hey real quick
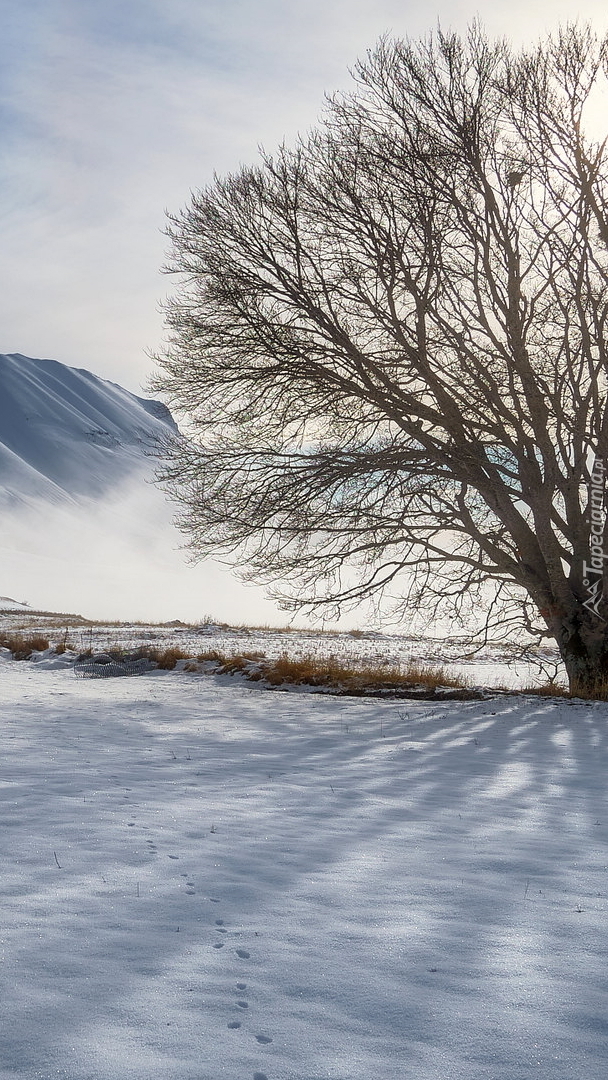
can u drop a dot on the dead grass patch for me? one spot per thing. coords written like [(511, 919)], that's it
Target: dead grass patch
[(166, 659), (22, 647), (212, 655), (547, 689), (335, 674), (597, 692), (328, 672)]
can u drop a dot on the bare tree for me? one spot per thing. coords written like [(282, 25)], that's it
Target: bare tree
[(390, 344)]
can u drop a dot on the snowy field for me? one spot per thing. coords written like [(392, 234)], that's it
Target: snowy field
[(494, 665), (205, 880)]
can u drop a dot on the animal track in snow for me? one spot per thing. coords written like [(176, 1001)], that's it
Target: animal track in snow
[(240, 1003), (260, 1076)]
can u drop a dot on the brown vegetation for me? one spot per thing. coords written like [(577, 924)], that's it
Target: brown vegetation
[(548, 689), (328, 672), (163, 658), (335, 674), (23, 647)]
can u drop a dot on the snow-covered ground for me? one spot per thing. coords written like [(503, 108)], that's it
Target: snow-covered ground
[(494, 665), (205, 880)]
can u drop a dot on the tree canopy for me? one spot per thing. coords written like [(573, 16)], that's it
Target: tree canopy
[(389, 344)]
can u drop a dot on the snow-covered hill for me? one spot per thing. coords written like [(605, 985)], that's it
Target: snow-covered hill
[(66, 434), (8, 604), (83, 528)]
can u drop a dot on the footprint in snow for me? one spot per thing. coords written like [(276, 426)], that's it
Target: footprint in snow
[(260, 1076), (233, 1025)]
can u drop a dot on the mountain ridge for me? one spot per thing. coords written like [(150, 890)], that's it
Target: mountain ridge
[(67, 434)]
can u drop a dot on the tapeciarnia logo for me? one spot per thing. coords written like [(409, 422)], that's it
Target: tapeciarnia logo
[(593, 571)]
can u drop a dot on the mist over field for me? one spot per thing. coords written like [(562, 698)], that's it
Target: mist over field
[(84, 527), (118, 557)]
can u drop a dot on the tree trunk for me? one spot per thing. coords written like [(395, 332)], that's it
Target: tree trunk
[(584, 651)]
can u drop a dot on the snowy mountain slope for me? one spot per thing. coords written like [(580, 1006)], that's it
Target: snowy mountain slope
[(82, 528), (67, 434)]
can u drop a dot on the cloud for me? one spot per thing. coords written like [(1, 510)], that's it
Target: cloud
[(113, 112)]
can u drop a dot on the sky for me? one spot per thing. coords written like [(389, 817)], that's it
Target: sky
[(112, 114)]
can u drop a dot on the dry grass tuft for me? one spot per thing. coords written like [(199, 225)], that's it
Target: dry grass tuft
[(327, 672), (23, 647), (166, 659), (229, 663), (334, 674), (548, 689), (212, 655), (597, 692)]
